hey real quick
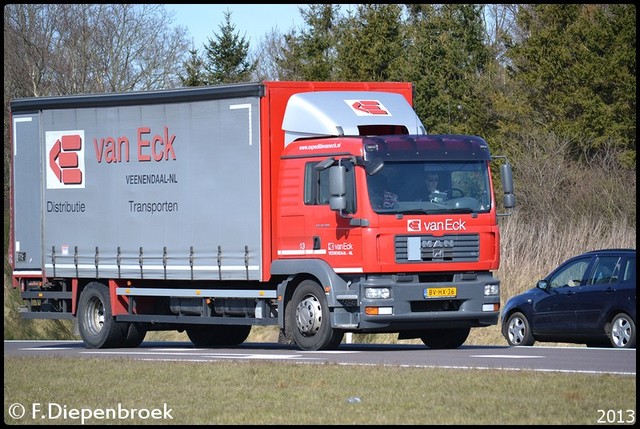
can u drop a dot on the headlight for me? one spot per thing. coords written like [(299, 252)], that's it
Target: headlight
[(377, 292), (491, 290)]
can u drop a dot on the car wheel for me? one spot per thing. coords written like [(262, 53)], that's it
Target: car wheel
[(518, 331), (623, 332)]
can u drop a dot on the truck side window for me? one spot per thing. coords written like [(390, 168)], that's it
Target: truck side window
[(316, 186)]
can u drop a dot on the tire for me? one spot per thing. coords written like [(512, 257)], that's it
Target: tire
[(307, 319), (96, 324), (623, 332), (285, 339), (135, 335), (445, 338), (218, 335), (518, 331)]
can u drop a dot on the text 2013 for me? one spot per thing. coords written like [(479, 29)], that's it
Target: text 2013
[(616, 416)]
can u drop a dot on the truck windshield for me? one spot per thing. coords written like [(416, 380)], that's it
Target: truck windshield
[(430, 187)]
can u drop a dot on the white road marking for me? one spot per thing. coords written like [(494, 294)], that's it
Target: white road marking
[(46, 349), (507, 356)]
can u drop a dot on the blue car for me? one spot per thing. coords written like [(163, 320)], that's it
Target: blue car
[(589, 299)]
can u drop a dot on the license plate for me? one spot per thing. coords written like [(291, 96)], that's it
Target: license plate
[(441, 292)]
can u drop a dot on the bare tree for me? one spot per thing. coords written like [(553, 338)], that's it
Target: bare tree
[(28, 48), (58, 49), (53, 49), (265, 56)]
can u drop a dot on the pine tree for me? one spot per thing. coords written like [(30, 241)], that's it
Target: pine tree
[(576, 68), (194, 68), (370, 43), (226, 56), (310, 54)]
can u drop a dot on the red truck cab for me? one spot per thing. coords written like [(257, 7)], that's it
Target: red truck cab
[(353, 209)]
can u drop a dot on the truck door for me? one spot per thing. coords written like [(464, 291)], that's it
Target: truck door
[(27, 211), (331, 236)]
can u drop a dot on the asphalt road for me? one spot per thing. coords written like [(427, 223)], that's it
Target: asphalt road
[(547, 359)]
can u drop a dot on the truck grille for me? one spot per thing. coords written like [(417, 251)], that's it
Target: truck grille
[(446, 248)]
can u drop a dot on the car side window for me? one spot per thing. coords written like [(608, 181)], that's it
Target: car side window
[(606, 270), (570, 275), (629, 271)]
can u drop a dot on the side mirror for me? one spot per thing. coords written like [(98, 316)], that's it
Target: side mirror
[(542, 284), (506, 176), (507, 185), (338, 188)]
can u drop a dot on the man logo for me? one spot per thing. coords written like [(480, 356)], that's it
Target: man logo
[(66, 159)]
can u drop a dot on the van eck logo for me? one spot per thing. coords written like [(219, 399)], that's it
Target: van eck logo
[(368, 107), (66, 159), (414, 225)]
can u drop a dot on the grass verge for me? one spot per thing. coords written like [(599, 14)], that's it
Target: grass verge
[(278, 393)]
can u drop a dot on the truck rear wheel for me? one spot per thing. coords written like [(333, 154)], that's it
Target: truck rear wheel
[(445, 338), (307, 319), (135, 335), (98, 328), (218, 335)]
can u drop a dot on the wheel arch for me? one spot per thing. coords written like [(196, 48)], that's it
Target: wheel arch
[(612, 313), (298, 270), (506, 314), (78, 285)]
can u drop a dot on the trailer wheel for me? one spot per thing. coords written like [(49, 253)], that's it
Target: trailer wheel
[(218, 335), (308, 319), (98, 328), (135, 335), (445, 338)]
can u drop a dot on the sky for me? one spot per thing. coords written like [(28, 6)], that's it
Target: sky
[(253, 21)]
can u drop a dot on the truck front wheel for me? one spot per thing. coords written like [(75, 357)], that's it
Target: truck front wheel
[(307, 319), (98, 328)]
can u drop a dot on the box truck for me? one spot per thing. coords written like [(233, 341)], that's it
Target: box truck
[(301, 205)]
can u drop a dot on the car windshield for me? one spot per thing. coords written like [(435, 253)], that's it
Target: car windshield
[(429, 187)]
